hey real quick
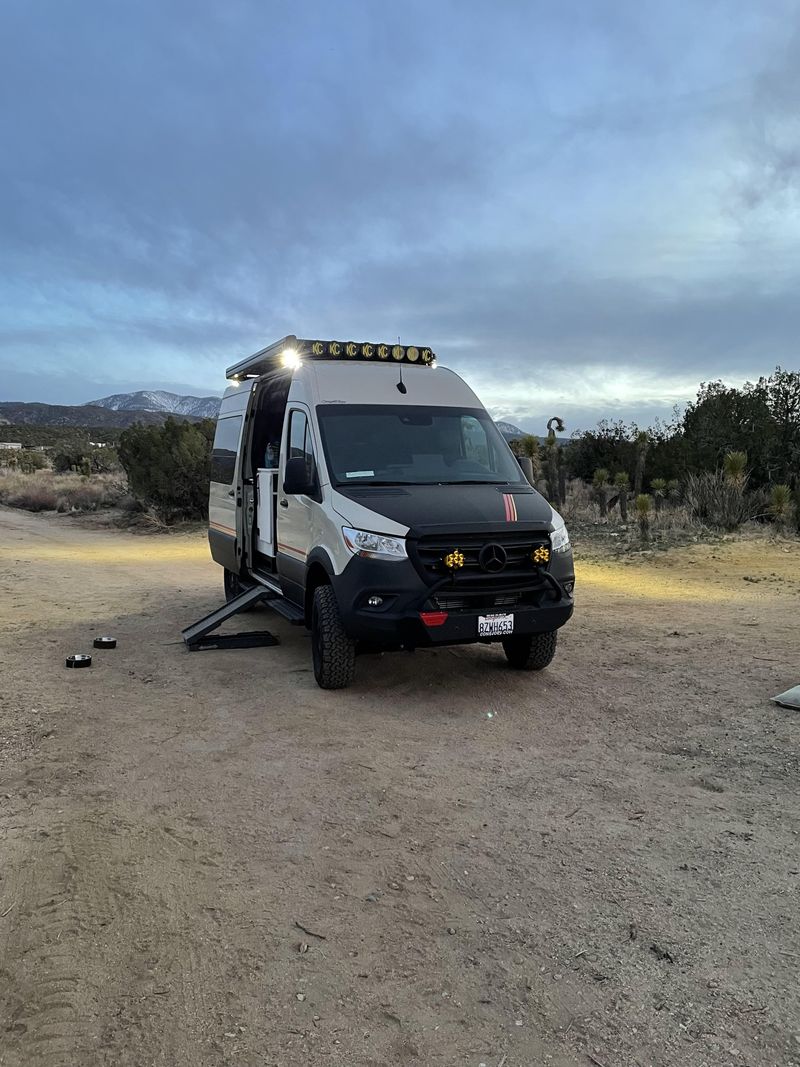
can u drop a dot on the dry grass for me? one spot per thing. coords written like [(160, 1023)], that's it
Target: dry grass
[(47, 491)]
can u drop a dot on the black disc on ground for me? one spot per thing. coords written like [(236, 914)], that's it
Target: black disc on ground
[(79, 660), (105, 642)]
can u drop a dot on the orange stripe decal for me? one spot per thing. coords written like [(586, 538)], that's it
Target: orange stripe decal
[(511, 507)]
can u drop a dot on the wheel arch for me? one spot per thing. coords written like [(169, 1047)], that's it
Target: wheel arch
[(319, 571)]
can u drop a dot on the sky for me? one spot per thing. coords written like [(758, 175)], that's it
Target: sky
[(586, 209)]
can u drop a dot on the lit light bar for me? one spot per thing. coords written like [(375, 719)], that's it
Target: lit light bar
[(358, 350), (290, 352)]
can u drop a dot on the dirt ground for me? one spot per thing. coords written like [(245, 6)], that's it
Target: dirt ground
[(204, 859)]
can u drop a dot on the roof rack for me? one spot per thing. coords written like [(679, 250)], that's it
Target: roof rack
[(289, 352)]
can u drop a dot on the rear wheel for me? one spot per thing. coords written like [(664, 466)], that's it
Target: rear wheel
[(235, 585), (530, 652), (334, 653)]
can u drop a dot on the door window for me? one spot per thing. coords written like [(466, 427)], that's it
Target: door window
[(300, 445), (223, 453)]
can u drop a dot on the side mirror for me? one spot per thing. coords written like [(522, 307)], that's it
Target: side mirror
[(300, 479)]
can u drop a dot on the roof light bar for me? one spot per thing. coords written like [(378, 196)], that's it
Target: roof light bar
[(290, 352)]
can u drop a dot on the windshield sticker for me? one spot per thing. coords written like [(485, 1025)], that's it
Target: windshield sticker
[(360, 474)]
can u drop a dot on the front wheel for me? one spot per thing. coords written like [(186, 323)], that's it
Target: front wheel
[(530, 652), (334, 653)]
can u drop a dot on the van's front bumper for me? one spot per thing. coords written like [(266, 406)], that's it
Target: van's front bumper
[(399, 620)]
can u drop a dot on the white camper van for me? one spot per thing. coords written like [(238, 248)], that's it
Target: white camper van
[(371, 496)]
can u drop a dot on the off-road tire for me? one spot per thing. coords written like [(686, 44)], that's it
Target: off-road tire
[(530, 652), (235, 585), (333, 652)]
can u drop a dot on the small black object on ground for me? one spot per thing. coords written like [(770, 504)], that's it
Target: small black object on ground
[(79, 660), (105, 642)]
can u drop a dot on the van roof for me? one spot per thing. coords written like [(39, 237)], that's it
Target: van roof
[(349, 383)]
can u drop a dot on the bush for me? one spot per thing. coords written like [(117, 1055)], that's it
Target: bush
[(716, 499), (47, 491), (168, 467)]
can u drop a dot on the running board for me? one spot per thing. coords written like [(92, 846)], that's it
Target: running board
[(290, 611), (192, 634)]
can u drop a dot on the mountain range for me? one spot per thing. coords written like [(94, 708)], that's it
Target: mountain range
[(199, 407), (149, 406)]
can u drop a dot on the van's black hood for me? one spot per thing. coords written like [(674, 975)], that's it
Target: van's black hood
[(421, 507)]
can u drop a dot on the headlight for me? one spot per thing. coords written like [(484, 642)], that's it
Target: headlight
[(373, 545), (559, 537)]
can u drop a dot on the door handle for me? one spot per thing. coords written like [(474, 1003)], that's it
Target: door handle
[(284, 503), (230, 492)]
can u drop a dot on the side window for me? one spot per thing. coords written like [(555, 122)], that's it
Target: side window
[(476, 443), (300, 445), (223, 453)]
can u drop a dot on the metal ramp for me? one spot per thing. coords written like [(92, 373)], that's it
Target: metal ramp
[(196, 635)]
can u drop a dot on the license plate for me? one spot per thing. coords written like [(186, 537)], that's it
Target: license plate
[(495, 625)]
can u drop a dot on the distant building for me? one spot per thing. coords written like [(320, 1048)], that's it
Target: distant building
[(16, 445)]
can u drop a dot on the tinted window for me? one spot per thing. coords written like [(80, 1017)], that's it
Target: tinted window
[(223, 454), (414, 445), (300, 446)]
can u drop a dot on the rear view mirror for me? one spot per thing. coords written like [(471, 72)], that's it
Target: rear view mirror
[(300, 478)]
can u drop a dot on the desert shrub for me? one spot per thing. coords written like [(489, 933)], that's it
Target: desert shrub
[(781, 505), (643, 515), (28, 462), (168, 467), (718, 500), (48, 491)]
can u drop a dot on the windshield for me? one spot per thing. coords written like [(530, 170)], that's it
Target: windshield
[(369, 444)]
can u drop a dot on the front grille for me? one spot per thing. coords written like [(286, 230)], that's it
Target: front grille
[(519, 575)]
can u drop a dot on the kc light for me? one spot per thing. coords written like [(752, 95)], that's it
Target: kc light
[(374, 545), (541, 554), (559, 537), (454, 560), (290, 359)]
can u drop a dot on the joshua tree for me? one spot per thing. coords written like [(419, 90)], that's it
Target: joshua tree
[(529, 457), (659, 487), (642, 445), (553, 453), (735, 466), (780, 506), (643, 515), (622, 482), (600, 482)]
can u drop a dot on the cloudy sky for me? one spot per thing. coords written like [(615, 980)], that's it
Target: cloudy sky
[(584, 208)]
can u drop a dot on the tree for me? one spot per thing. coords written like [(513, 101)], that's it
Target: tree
[(659, 487), (643, 515), (553, 454), (726, 420), (528, 455), (642, 445), (782, 391), (600, 481), (168, 466), (622, 482)]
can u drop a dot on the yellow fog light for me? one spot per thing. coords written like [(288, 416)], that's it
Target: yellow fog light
[(367, 351), (317, 348), (335, 348), (427, 355), (453, 560), (541, 554), (383, 351), (351, 349), (412, 354), (398, 352)]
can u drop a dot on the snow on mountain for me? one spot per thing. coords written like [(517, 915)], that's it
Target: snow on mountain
[(509, 430), (203, 407)]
